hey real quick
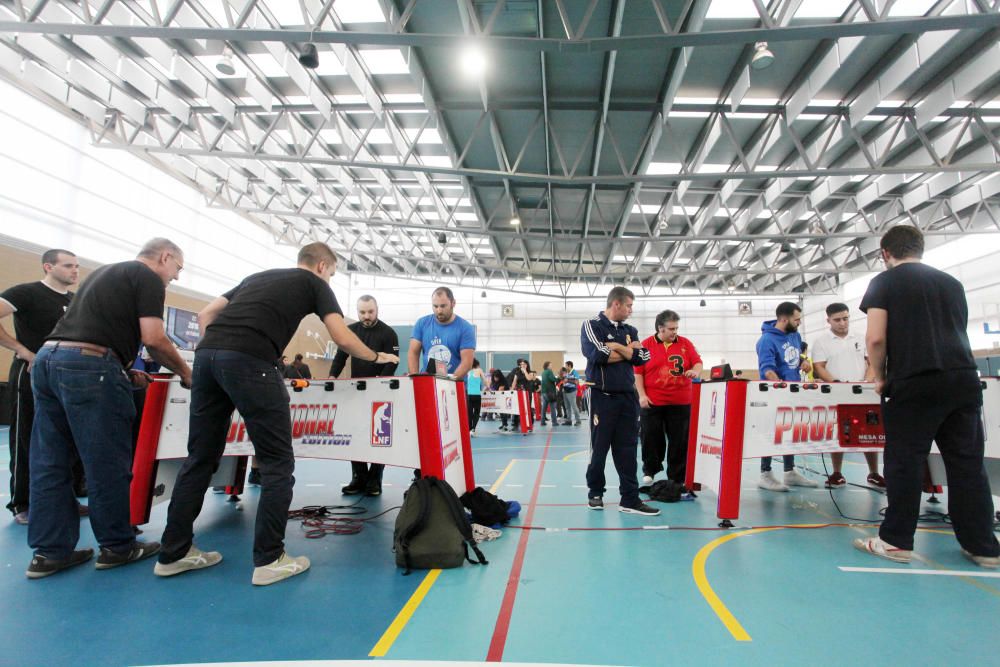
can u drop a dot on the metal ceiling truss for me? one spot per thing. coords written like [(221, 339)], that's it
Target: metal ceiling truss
[(733, 194)]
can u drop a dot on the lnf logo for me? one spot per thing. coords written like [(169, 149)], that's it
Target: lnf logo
[(382, 424)]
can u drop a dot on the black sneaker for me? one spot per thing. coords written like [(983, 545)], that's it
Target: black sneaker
[(254, 477), (42, 566), (641, 508), (595, 503), (109, 559), (356, 486)]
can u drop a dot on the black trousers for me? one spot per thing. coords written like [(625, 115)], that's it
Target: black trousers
[(475, 405), (946, 408), (22, 416), (363, 471), (663, 424), (614, 427), (224, 380)]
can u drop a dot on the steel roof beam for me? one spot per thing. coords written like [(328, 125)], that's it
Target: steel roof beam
[(987, 18)]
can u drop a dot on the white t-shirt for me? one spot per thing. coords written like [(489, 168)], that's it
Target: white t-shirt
[(844, 357)]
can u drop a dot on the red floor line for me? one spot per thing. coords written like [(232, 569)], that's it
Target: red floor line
[(499, 640)]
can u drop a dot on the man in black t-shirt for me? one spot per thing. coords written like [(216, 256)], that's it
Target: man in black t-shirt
[(924, 370), (36, 308), (380, 337), (83, 395), (244, 333)]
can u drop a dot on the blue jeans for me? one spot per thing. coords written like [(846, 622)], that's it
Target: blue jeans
[(85, 399), (765, 463), (224, 380), (549, 403)]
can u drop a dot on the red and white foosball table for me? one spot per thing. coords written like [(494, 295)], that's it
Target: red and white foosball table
[(735, 420), (419, 421), (511, 402)]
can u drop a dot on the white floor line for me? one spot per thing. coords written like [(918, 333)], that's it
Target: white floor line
[(513, 486), (940, 573), (546, 486), (315, 484), (579, 486)]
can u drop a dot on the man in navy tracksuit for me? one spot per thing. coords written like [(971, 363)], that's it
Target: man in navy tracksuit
[(612, 348)]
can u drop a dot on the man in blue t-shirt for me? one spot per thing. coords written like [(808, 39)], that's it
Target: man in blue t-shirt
[(779, 358), (443, 337)]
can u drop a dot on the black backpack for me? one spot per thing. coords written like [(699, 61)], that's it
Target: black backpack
[(486, 508), (432, 530), (666, 491)]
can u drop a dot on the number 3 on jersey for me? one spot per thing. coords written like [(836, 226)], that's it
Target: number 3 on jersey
[(677, 361)]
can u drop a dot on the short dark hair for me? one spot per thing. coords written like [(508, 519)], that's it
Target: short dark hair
[(444, 290), (475, 363), (368, 297), (298, 357), (903, 242), (836, 308), (664, 317), (569, 364), (546, 364), (786, 309), (52, 256), (805, 346), (314, 253), (619, 294)]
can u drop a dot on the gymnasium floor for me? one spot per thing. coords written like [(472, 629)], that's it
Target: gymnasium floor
[(615, 594)]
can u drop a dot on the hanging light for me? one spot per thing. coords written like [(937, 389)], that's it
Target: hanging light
[(309, 56), (224, 65), (762, 57)]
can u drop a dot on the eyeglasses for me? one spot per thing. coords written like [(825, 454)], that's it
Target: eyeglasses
[(180, 267)]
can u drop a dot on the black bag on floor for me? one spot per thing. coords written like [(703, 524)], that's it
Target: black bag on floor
[(666, 491), (432, 530), (486, 509)]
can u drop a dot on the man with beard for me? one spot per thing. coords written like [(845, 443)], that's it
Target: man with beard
[(443, 337), (779, 358), (378, 336)]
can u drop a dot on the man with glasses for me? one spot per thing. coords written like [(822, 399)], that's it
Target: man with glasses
[(36, 307), (83, 394)]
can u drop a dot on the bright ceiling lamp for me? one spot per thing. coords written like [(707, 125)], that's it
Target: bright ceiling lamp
[(762, 57), (515, 221), (472, 61)]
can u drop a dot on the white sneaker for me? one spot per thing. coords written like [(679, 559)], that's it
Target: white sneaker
[(472, 433), (646, 480), (769, 483), (194, 559), (992, 562), (876, 547), (795, 478), (286, 566)]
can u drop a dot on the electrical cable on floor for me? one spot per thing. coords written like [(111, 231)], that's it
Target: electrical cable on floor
[(321, 520)]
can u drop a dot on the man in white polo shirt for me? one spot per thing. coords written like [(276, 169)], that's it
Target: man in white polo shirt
[(839, 356)]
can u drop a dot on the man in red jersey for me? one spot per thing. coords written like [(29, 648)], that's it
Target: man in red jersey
[(664, 386)]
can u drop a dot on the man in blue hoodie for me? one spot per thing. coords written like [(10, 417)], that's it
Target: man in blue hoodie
[(779, 358)]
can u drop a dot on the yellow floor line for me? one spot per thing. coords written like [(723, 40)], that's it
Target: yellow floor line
[(698, 570), (395, 628), (569, 456)]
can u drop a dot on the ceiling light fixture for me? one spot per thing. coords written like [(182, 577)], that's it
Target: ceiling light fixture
[(762, 57), (473, 62), (309, 56), (224, 65), (442, 238), (515, 221), (702, 304)]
